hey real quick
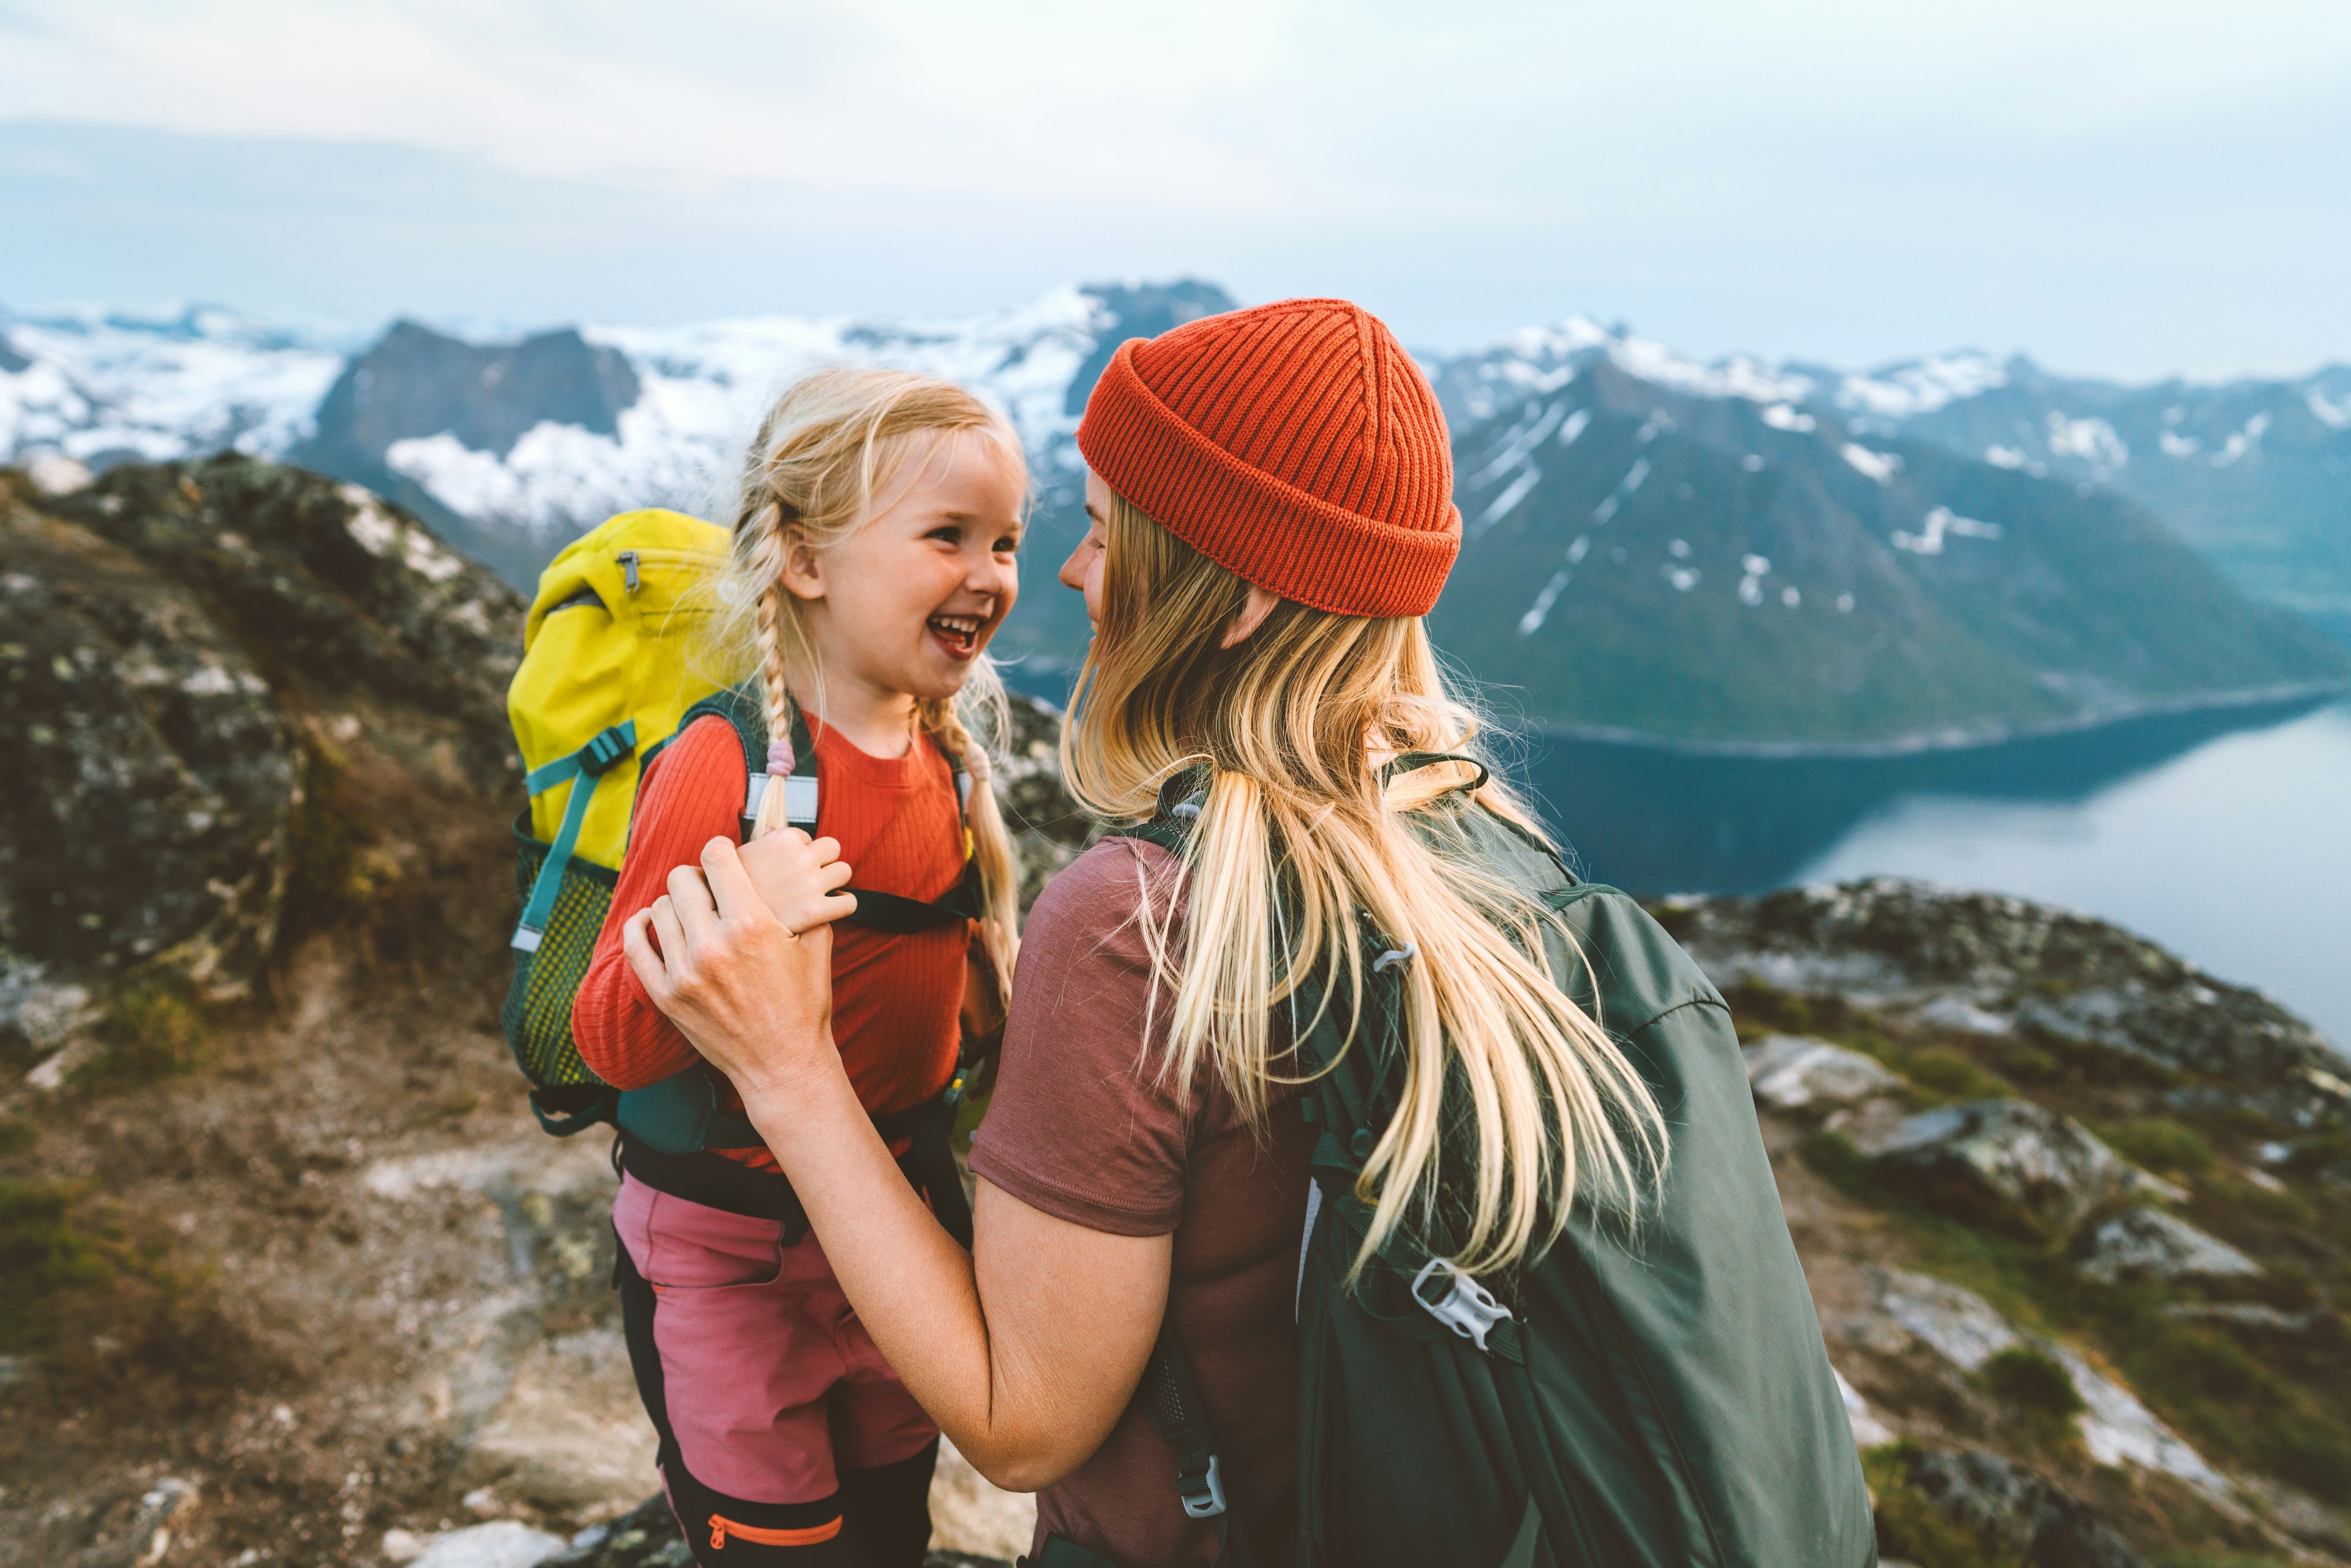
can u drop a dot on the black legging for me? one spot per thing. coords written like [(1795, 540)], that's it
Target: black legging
[(883, 1513)]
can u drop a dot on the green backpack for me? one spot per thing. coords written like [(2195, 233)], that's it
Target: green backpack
[(1656, 1397)]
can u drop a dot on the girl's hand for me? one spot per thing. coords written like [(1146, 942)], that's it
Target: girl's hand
[(798, 878), (753, 997)]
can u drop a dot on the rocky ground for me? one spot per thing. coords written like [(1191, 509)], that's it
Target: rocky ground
[(288, 1276)]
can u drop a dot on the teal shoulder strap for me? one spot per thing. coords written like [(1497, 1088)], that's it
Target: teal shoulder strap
[(585, 769)]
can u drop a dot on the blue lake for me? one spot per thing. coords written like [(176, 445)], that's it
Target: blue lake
[(2225, 835)]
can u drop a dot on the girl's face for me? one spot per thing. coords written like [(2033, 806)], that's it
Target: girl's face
[(1083, 569), (906, 603)]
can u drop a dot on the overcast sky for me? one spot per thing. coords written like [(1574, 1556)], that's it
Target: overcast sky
[(2132, 189)]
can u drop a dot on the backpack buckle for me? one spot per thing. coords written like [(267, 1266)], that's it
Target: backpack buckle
[(599, 753), (1468, 1308), (1202, 1492)]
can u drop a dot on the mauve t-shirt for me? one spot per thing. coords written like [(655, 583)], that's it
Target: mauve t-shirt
[(1081, 1128)]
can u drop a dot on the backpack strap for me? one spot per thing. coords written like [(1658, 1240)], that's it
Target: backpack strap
[(590, 763), (890, 912), (1170, 1397), (680, 1114)]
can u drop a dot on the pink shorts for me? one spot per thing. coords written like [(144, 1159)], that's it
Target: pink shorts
[(770, 1379)]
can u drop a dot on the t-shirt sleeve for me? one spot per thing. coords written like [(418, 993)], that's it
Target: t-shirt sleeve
[(692, 794), (1080, 1126)]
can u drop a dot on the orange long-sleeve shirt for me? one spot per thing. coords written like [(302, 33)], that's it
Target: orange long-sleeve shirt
[(896, 998)]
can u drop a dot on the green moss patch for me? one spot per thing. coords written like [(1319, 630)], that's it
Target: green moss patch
[(154, 1028), (1910, 1528)]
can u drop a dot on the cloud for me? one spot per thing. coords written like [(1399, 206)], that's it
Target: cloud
[(1838, 178)]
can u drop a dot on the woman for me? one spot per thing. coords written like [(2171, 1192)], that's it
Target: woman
[(1269, 501)]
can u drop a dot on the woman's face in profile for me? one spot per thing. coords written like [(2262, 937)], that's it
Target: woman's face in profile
[(1083, 569)]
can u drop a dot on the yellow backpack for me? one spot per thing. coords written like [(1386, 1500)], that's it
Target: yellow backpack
[(613, 655)]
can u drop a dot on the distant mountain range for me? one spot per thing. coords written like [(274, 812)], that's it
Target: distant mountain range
[(1736, 553)]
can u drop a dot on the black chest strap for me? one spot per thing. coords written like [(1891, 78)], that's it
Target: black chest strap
[(899, 915)]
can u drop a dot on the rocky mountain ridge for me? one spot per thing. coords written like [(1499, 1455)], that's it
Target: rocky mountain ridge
[(1737, 553)]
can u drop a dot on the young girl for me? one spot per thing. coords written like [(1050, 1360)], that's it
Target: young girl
[(875, 556)]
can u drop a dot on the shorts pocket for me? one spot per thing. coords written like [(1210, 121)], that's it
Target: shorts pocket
[(692, 1247)]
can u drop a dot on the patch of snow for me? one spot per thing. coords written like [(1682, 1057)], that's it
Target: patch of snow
[(1783, 416), (1942, 522), (1532, 622), (1503, 503), (1844, 603), (2175, 444), (1623, 492), (161, 388), (1537, 360), (1879, 465), (1528, 434), (1683, 578), (2006, 456), (2242, 440), (1792, 596), (2334, 416), (1574, 427), (1923, 386), (2090, 440), (1752, 463)]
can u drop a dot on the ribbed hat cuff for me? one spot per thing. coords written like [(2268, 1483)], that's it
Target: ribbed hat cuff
[(1266, 531)]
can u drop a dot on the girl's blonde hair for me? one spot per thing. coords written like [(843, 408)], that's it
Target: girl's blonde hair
[(834, 449), (1295, 834)]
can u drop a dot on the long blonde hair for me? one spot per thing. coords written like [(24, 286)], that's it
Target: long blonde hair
[(837, 443), (1295, 834)]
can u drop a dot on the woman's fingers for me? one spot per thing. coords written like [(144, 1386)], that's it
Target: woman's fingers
[(835, 875), (729, 883), (689, 896), (667, 929), (826, 851), (637, 947)]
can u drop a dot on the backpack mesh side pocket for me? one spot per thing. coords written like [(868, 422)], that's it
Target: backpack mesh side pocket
[(537, 1011)]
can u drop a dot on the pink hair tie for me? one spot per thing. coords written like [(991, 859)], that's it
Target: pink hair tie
[(779, 758)]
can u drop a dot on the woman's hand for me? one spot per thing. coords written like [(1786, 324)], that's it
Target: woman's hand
[(754, 996)]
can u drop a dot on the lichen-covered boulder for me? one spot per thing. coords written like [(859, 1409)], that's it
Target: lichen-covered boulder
[(2009, 960), (2143, 1243), (153, 778), (2018, 1511), (2007, 1161), (1795, 1073), (183, 645)]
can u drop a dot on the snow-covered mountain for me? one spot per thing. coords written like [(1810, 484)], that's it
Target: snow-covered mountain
[(512, 448), (2254, 473), (107, 388), (1737, 550), (1726, 552)]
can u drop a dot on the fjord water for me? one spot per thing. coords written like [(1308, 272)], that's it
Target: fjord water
[(2223, 834)]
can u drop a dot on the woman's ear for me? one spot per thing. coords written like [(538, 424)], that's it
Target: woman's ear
[(803, 574), (1251, 616)]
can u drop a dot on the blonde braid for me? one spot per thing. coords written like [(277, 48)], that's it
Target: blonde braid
[(991, 840), (769, 635)]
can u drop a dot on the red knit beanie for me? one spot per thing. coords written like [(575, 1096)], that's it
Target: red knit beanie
[(1296, 444)]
